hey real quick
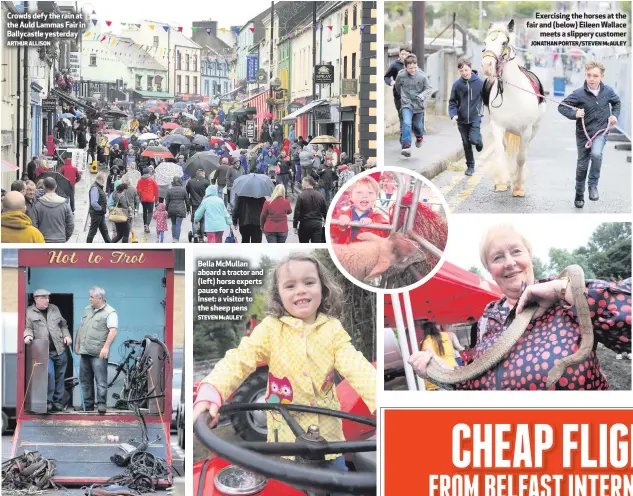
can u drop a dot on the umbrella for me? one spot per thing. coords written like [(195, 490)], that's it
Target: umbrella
[(189, 116), (67, 115), (8, 166), (208, 161), (118, 140), (63, 185), (264, 115), (200, 139), (161, 110), (147, 136), (176, 139), (449, 297), (253, 186), (115, 113), (323, 140), (165, 172), (235, 153), (171, 125), (157, 152), (179, 130), (221, 141)]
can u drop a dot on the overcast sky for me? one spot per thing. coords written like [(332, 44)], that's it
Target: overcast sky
[(544, 231), (177, 13)]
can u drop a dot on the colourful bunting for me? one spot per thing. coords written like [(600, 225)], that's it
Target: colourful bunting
[(345, 29), (221, 29), (194, 29), (94, 22), (124, 24), (108, 23), (208, 30), (103, 39), (316, 28), (252, 30), (166, 28), (151, 26), (330, 27), (87, 34), (180, 29), (362, 28), (237, 30), (138, 26)]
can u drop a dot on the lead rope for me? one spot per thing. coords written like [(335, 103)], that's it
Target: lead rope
[(28, 386), (589, 139)]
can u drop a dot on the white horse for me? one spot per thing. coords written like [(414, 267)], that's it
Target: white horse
[(515, 111)]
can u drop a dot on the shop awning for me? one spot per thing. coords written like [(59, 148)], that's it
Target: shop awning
[(154, 94), (70, 99), (449, 297), (306, 108)]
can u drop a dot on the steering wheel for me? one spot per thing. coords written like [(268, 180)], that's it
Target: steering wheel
[(251, 455)]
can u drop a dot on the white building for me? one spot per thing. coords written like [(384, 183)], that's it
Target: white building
[(120, 58), (249, 35), (181, 55), (329, 48), (301, 65)]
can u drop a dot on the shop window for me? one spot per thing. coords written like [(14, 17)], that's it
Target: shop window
[(93, 60), (155, 41), (187, 84), (178, 84), (150, 84), (139, 82), (179, 61), (345, 67), (195, 63), (187, 62), (345, 18), (195, 85), (354, 17)]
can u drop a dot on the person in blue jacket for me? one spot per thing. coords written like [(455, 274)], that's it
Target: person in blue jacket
[(465, 108), (599, 106)]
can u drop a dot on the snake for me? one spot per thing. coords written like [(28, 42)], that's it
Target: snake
[(493, 355)]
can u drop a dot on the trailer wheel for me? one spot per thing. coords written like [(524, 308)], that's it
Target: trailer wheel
[(251, 426), (5, 422)]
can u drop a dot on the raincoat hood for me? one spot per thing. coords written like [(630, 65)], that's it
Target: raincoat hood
[(16, 220), (212, 190), (161, 207)]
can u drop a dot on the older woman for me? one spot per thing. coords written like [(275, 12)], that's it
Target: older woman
[(553, 333)]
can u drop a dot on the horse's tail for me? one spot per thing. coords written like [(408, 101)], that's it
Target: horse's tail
[(513, 141)]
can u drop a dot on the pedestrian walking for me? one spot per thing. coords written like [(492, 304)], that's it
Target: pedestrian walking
[(310, 213), (247, 214), (70, 172), (196, 189), (178, 206), (274, 217), (121, 206), (160, 216), (97, 209), (465, 108), (213, 214), (414, 88), (327, 180), (52, 215), (390, 78)]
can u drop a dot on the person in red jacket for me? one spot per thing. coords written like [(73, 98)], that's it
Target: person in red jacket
[(147, 189), (362, 195), (70, 172), (274, 216)]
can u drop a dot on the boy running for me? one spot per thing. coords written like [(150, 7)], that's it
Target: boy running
[(465, 109), (414, 88), (599, 105), (392, 74)]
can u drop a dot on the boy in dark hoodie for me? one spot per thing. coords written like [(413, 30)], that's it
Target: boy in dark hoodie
[(391, 75), (465, 108)]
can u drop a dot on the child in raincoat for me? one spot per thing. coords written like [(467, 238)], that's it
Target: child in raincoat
[(303, 343), (160, 216)]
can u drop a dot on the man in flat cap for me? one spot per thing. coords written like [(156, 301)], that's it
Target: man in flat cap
[(45, 321)]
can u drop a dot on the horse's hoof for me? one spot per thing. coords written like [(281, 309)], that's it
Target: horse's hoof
[(518, 192), (499, 188)]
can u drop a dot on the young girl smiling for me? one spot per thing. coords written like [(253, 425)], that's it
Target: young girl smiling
[(303, 342)]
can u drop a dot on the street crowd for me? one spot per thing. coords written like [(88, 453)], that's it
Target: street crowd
[(169, 162)]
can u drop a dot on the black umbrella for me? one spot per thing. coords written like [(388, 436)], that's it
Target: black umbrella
[(64, 187), (176, 139), (208, 161), (200, 139), (116, 113)]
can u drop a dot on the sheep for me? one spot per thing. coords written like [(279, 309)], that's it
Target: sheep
[(373, 255)]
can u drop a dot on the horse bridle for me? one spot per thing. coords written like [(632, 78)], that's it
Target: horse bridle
[(500, 60)]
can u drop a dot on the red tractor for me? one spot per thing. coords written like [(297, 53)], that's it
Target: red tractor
[(256, 472)]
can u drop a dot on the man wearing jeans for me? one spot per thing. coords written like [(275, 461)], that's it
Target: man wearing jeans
[(45, 321), (95, 335), (414, 88)]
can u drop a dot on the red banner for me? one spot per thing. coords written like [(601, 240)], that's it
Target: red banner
[(111, 259), (508, 452)]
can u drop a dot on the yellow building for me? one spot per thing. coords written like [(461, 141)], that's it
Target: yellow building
[(358, 79)]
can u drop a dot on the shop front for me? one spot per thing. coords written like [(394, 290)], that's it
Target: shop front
[(301, 119), (327, 120), (37, 139), (348, 130), (139, 285)]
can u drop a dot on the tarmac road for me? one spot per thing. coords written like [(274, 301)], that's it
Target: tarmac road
[(551, 166)]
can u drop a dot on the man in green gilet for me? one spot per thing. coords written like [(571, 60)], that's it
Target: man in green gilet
[(95, 335)]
